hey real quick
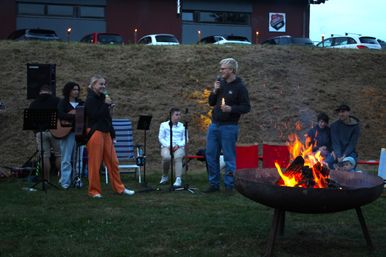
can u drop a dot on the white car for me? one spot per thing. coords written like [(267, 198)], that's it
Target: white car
[(159, 39), (224, 40), (350, 41)]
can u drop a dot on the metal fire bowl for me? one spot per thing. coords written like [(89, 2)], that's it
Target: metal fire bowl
[(260, 186)]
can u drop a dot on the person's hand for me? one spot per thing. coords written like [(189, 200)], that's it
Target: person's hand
[(333, 155), (175, 148), (216, 86), (108, 100), (226, 108)]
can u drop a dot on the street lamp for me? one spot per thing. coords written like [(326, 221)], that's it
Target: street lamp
[(135, 35), (199, 36), (69, 29), (257, 37)]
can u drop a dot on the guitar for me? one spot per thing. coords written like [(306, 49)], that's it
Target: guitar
[(63, 127)]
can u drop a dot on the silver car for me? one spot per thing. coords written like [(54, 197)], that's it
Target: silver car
[(350, 41)]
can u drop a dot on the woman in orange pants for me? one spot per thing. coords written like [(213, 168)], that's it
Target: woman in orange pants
[(100, 145)]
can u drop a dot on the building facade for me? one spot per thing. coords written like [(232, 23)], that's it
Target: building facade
[(188, 20)]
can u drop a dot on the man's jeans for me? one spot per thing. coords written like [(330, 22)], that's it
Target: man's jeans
[(221, 137)]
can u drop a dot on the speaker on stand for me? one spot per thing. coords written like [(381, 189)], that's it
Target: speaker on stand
[(38, 75)]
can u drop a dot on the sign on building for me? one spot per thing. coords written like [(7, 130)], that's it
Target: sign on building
[(277, 22)]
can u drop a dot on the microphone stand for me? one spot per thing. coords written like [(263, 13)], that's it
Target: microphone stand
[(171, 188)]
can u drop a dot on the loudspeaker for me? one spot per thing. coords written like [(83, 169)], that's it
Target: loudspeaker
[(38, 75)]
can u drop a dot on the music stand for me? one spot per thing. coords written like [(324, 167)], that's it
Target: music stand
[(40, 120), (144, 124)]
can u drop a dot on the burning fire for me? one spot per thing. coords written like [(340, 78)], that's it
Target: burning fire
[(307, 168)]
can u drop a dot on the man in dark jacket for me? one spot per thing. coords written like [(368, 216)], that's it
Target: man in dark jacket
[(46, 101), (344, 135), (229, 99)]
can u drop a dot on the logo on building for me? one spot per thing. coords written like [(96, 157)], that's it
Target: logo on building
[(277, 22)]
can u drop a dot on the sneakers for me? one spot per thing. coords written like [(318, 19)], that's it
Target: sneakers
[(164, 180), (128, 192), (211, 189), (97, 196), (178, 182)]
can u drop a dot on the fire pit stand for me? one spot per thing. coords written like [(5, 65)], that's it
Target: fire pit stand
[(278, 222), (356, 189)]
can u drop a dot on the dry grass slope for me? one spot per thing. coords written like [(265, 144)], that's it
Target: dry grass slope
[(286, 85)]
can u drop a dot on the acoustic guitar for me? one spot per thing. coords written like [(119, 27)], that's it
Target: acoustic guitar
[(63, 127)]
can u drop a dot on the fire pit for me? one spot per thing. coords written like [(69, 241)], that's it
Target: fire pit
[(354, 190)]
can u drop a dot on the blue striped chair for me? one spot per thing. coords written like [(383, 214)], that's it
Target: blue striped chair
[(124, 147)]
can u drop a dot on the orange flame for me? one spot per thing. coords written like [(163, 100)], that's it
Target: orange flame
[(313, 161)]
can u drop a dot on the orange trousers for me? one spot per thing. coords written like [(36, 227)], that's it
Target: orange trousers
[(100, 148)]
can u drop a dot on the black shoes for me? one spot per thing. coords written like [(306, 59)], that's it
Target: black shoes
[(211, 189)]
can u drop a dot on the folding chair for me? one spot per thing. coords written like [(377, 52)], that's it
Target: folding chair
[(247, 156), (275, 152), (124, 148)]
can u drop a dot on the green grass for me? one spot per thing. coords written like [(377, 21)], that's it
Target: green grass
[(163, 223)]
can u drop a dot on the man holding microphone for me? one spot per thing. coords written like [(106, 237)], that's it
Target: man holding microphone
[(229, 99)]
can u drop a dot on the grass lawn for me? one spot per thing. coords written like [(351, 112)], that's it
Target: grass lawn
[(163, 223)]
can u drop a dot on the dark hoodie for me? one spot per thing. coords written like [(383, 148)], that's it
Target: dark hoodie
[(98, 113), (344, 137), (235, 95)]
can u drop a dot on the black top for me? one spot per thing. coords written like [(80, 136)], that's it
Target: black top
[(45, 102), (236, 96), (64, 107), (98, 113)]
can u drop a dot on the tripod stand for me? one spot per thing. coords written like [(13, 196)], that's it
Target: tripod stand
[(41, 120), (143, 124)]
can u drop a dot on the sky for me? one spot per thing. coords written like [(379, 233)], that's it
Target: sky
[(367, 18)]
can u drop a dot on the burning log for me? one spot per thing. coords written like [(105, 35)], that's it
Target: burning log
[(298, 174)]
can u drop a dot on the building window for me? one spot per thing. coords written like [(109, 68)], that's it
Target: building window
[(225, 17), (60, 10), (188, 16), (31, 9), (217, 17), (91, 12)]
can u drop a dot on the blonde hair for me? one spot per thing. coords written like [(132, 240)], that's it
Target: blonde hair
[(232, 63), (94, 79)]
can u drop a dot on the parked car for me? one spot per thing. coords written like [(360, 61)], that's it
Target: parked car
[(34, 34), (289, 40), (103, 38), (223, 40), (159, 39), (350, 41), (382, 43)]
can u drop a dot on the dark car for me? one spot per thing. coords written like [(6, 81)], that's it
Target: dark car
[(34, 34), (289, 40), (103, 38), (382, 43)]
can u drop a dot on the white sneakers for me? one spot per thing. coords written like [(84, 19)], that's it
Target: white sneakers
[(97, 196), (128, 192), (178, 182), (164, 180)]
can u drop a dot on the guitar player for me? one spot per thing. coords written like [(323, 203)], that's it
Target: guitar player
[(46, 101), (66, 115)]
